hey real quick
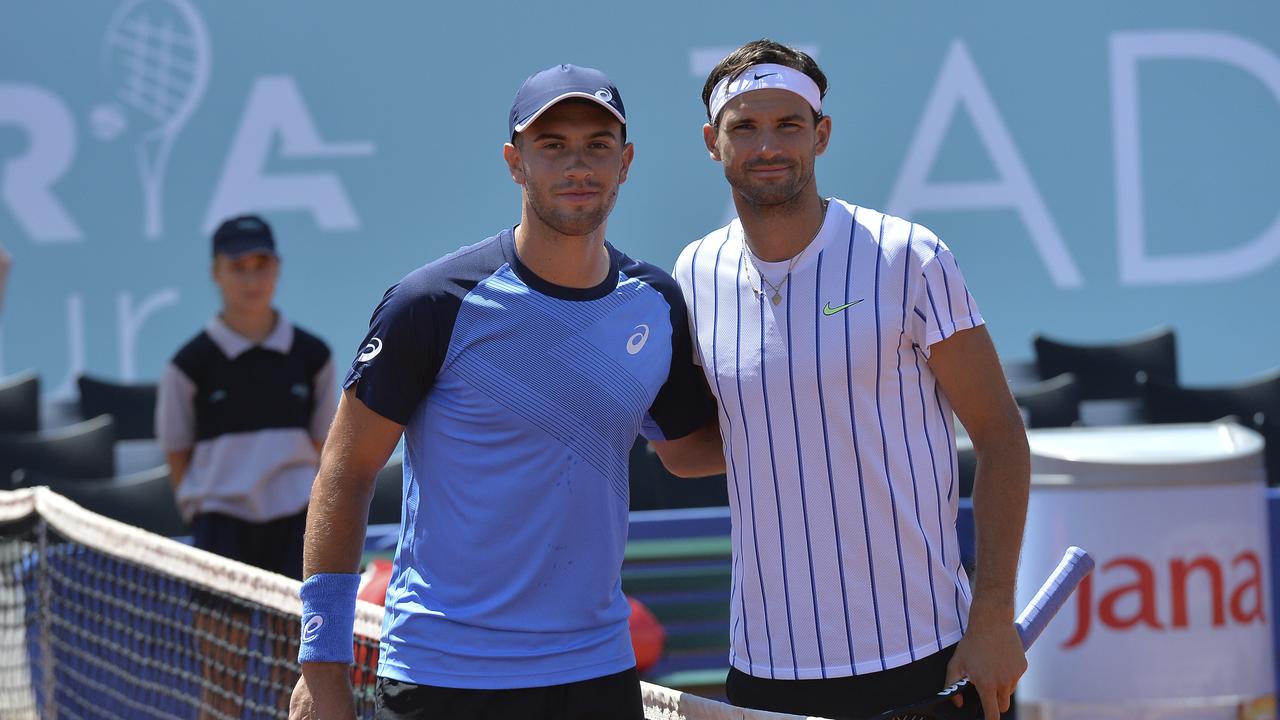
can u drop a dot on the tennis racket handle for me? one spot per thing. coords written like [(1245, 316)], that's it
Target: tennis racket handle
[(1075, 565)]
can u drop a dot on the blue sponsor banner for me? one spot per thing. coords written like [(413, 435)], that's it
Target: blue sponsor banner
[(1098, 168)]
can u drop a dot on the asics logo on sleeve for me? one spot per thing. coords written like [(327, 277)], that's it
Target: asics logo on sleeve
[(370, 351), (636, 342), (312, 629), (829, 311)]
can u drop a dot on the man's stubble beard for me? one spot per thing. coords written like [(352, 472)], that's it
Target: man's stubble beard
[(575, 224), (771, 199)]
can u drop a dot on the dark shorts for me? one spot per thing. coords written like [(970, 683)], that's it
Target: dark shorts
[(275, 545), (612, 697), (844, 697)]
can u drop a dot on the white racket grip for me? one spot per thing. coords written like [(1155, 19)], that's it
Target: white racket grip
[(1075, 565)]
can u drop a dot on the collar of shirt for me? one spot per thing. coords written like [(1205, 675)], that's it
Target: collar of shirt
[(233, 344), (831, 228)]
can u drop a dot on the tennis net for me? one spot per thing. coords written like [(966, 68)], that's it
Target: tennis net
[(102, 620)]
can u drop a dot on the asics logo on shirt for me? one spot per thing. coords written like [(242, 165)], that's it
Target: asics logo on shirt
[(312, 629), (370, 351), (636, 342), (829, 311)]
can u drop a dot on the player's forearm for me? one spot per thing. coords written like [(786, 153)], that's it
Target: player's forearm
[(999, 508), (336, 518), (358, 445), (698, 454)]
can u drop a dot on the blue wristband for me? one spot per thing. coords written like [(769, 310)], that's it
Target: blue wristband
[(328, 618)]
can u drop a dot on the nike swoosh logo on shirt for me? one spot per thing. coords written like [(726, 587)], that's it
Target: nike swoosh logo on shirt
[(828, 310)]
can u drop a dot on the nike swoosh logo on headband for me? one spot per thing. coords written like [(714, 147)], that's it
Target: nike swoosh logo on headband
[(761, 77)]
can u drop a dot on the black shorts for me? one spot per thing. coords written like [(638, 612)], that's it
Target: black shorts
[(612, 697), (843, 697), (275, 545)]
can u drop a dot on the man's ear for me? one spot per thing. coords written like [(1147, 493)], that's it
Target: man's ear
[(511, 155), (628, 154), (709, 133), (822, 135)]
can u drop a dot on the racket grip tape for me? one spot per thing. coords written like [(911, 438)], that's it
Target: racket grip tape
[(1075, 565)]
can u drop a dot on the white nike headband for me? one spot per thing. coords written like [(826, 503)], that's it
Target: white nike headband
[(764, 77)]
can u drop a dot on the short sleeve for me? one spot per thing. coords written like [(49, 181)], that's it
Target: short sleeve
[(943, 304), (683, 275), (326, 401), (175, 410), (398, 361), (684, 402)]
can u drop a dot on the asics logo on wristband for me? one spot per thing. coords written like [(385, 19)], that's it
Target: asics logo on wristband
[(311, 630)]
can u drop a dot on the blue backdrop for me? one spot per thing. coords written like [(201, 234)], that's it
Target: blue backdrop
[(1098, 167)]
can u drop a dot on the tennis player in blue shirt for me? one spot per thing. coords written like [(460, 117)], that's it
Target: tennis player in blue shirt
[(519, 371)]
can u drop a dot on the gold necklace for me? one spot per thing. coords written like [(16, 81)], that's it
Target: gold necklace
[(776, 297), (775, 290)]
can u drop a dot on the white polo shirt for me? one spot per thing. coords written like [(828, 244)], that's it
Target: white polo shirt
[(839, 443), (251, 414)]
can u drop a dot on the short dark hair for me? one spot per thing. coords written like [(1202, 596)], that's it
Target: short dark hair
[(758, 52)]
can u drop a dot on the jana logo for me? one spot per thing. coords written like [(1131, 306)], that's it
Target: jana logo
[(157, 59)]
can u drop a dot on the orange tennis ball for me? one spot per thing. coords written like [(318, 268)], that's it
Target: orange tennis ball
[(647, 635)]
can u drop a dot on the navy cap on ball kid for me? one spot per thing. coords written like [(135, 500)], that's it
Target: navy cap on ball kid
[(563, 82), (243, 235)]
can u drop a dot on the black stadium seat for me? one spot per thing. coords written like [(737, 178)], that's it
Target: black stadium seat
[(143, 500), (1106, 371), (20, 402), (1051, 403), (132, 405), (1254, 403), (83, 450)]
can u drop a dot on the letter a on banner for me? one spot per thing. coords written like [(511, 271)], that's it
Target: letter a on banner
[(959, 83), (276, 108)]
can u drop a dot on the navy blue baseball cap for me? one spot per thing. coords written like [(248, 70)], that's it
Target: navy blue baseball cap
[(563, 82), (243, 235)]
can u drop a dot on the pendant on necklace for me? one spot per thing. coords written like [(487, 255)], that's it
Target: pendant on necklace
[(777, 299)]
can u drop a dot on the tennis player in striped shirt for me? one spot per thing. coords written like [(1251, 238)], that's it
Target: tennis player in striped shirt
[(839, 342)]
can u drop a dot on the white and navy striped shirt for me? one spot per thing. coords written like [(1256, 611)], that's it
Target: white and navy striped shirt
[(839, 443)]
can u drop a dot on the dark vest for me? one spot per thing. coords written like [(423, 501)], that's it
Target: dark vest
[(260, 389)]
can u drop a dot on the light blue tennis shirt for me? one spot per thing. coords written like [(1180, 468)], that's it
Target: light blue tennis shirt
[(521, 401)]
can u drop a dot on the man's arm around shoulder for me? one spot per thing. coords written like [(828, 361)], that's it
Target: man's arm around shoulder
[(359, 443), (698, 454), (969, 372)]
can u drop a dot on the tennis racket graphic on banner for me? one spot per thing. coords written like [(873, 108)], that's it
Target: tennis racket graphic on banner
[(1075, 565), (156, 57)]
